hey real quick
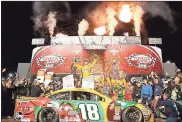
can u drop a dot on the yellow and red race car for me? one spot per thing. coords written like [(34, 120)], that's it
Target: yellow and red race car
[(79, 105)]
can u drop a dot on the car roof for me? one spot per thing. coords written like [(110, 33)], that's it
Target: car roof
[(78, 89)]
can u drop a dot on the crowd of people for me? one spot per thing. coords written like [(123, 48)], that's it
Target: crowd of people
[(151, 90)]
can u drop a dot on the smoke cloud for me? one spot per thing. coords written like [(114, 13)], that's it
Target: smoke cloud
[(47, 14), (98, 15), (161, 9), (107, 14)]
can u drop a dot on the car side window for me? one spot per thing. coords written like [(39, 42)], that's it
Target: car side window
[(61, 96), (86, 96)]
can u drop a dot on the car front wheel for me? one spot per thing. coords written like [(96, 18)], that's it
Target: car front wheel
[(132, 114), (48, 115)]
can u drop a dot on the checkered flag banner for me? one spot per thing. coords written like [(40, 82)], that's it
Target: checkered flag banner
[(58, 61), (39, 59), (62, 59), (140, 65)]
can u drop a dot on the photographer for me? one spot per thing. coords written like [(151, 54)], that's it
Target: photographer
[(170, 110)]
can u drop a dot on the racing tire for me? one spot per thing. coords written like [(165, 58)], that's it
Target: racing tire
[(132, 114), (48, 114)]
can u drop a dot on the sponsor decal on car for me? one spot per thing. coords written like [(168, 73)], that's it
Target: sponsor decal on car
[(50, 61), (141, 61), (19, 115), (69, 112), (117, 108)]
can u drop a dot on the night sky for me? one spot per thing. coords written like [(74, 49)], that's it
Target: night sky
[(17, 33)]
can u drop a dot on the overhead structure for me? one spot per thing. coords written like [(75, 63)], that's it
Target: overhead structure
[(128, 51)]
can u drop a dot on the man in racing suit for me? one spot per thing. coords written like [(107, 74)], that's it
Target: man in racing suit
[(86, 70)]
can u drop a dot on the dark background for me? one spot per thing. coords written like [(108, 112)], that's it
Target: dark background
[(17, 33)]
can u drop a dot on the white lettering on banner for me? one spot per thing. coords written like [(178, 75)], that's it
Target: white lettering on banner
[(141, 61), (92, 39), (96, 40), (50, 61), (89, 112)]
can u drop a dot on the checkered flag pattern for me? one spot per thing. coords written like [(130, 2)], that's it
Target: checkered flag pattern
[(153, 60), (129, 60), (38, 60), (61, 59), (134, 54), (40, 57)]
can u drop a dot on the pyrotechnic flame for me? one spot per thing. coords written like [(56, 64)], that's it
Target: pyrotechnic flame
[(60, 34), (83, 27), (112, 22), (100, 30), (51, 22), (137, 17), (125, 14)]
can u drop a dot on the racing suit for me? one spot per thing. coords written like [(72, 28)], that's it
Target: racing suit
[(86, 69)]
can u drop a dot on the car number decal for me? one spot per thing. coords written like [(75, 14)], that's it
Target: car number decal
[(89, 112)]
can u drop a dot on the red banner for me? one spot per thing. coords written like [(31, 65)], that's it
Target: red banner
[(133, 59)]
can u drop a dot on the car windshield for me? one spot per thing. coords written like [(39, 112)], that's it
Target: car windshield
[(61, 96), (56, 94), (82, 95)]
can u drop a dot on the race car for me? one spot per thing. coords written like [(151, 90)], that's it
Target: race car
[(79, 105)]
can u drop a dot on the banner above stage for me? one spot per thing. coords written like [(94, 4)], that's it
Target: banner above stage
[(96, 40)]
